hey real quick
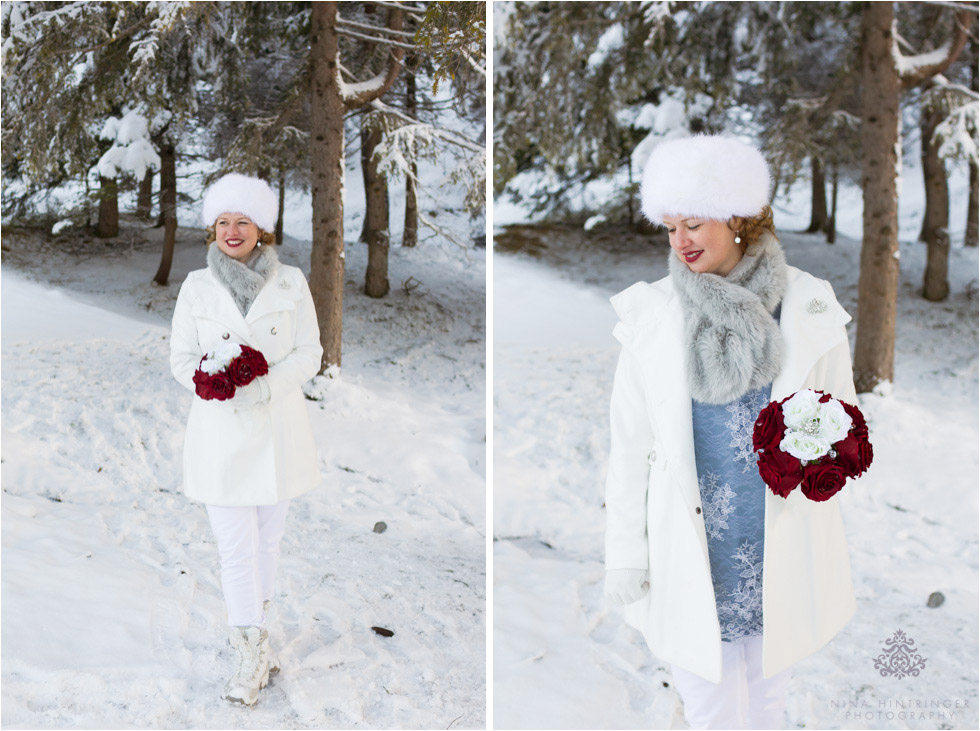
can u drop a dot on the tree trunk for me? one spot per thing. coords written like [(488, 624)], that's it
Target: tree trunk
[(935, 285), (375, 214), (108, 225), (282, 207), (874, 352), (144, 199), (410, 234), (818, 209), (630, 200), (934, 175), (832, 221), (935, 225), (327, 166), (168, 209), (970, 237)]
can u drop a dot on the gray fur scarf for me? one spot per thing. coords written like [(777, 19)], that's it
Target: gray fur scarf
[(733, 343), (244, 280)]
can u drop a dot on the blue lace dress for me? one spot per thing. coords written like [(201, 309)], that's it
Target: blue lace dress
[(733, 505)]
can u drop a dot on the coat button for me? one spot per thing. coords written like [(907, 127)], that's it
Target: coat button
[(652, 457), (273, 331), (698, 510), (225, 336)]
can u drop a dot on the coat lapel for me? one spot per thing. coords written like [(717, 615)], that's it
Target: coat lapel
[(807, 331), (220, 306), (271, 298)]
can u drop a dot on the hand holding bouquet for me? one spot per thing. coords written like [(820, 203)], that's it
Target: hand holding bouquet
[(225, 368), (813, 439)]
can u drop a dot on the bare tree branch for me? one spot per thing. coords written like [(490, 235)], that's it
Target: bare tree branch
[(396, 20), (374, 28), (917, 74)]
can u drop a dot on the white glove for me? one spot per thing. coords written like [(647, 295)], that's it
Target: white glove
[(257, 392), (625, 586)]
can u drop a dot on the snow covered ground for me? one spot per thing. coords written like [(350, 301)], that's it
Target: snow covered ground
[(563, 657), (112, 609)]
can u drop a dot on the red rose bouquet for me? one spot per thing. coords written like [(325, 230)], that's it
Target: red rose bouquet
[(225, 368), (813, 440)]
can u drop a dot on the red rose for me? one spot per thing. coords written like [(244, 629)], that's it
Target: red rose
[(848, 455), (780, 471), (823, 480), (824, 397), (248, 366), (769, 428), (865, 453), (859, 427), (216, 386)]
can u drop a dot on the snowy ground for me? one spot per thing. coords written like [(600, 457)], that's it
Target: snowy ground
[(563, 657), (112, 611)]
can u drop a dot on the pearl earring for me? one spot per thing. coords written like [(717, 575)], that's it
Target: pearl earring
[(258, 244), (738, 239)]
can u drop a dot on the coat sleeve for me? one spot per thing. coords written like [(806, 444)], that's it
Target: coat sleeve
[(185, 351), (303, 361), (632, 440)]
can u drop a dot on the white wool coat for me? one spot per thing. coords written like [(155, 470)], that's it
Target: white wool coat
[(653, 503), (265, 453)]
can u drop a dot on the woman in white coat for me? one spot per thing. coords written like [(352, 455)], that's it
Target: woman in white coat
[(245, 458), (729, 583)]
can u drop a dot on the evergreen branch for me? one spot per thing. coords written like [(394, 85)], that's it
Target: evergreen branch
[(129, 31)]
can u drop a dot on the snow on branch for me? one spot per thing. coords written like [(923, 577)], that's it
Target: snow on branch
[(446, 135), (145, 49), (131, 151), (374, 28), (958, 134)]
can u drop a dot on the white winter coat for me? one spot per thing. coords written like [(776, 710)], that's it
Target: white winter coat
[(654, 518), (265, 453)]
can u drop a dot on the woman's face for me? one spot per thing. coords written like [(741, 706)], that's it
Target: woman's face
[(235, 235), (704, 245)]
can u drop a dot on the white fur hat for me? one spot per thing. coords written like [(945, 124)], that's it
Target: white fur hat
[(236, 193), (708, 176)]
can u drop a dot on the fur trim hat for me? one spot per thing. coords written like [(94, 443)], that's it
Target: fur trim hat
[(708, 176), (249, 196)]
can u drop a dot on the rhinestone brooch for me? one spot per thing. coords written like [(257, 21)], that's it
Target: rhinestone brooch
[(283, 284), (815, 306)]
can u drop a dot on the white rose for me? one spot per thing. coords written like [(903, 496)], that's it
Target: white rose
[(800, 408), (834, 421), (221, 358), (804, 447)]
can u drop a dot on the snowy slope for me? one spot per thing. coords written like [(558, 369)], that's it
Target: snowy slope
[(564, 658), (112, 610)]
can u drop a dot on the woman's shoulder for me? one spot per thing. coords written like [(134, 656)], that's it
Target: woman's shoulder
[(640, 298), (814, 295)]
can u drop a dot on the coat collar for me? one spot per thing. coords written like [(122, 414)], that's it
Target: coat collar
[(652, 326), (219, 305)]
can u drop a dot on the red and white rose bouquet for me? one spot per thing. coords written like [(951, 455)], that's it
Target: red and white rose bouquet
[(812, 440), (227, 367)]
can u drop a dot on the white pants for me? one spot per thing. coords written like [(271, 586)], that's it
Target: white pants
[(743, 699), (248, 544)]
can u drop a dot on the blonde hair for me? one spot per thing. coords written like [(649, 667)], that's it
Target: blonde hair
[(265, 237), (751, 228)]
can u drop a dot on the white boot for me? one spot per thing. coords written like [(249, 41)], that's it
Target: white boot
[(271, 654), (253, 665)]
